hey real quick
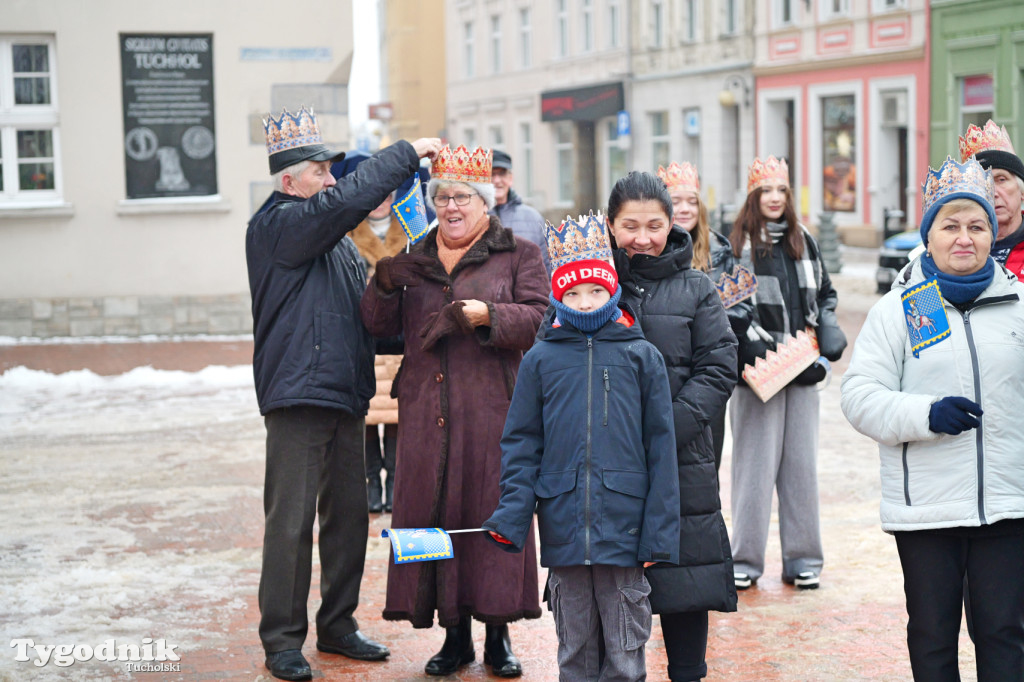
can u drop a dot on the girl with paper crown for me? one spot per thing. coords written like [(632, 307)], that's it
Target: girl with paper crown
[(712, 253), (775, 436), (935, 378)]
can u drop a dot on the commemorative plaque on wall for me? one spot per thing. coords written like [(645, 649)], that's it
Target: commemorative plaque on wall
[(167, 105)]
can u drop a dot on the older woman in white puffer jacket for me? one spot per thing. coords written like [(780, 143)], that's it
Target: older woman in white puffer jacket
[(946, 412)]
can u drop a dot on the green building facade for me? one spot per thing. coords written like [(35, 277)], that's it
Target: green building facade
[(977, 70)]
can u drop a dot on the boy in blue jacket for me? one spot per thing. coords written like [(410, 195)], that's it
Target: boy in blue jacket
[(589, 443)]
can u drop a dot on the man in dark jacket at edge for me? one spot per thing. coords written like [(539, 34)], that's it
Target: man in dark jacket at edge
[(523, 220), (313, 367)]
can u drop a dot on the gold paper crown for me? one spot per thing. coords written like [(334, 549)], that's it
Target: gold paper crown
[(291, 130), (770, 374), (573, 240), (771, 171), (735, 287), (459, 165), (680, 175), (991, 137)]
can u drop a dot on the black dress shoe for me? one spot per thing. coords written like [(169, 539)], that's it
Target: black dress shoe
[(289, 664), (355, 645), (456, 651), (498, 652)]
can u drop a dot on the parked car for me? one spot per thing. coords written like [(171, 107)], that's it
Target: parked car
[(896, 252)]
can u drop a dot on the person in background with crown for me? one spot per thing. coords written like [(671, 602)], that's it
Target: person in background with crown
[(313, 368), (992, 148), (590, 428), (945, 414), (680, 312), (468, 298), (775, 443), (523, 220), (712, 254)]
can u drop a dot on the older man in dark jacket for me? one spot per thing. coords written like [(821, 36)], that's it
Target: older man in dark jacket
[(523, 220), (313, 366)]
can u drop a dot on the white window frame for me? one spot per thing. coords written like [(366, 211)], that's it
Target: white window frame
[(883, 6), (830, 10), (730, 17), (587, 29), (524, 166), (614, 24), (657, 23), (562, 28), (525, 39), (469, 137), (814, 169), (495, 43), (560, 148), (468, 49), (19, 117), (611, 144), (664, 138), (496, 133), (778, 13), (691, 15)]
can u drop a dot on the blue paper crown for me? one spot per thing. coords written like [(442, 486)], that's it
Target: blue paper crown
[(411, 213), (291, 130), (582, 239), (967, 180), (736, 286)]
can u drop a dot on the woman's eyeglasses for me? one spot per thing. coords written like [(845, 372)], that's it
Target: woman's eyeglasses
[(460, 199)]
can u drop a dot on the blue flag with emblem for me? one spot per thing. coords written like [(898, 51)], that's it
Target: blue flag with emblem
[(411, 213), (925, 314)]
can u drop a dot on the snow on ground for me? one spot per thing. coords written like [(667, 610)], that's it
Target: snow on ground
[(120, 494)]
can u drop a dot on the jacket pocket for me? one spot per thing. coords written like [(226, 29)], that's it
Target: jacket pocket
[(556, 506), (607, 390), (622, 505), (332, 364), (635, 613)]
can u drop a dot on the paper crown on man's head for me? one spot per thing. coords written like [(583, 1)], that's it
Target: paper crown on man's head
[(769, 171), (294, 138), (582, 239), (461, 165), (991, 137), (680, 175), (992, 147), (967, 180)]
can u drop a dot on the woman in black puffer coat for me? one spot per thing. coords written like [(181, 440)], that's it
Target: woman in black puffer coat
[(679, 311)]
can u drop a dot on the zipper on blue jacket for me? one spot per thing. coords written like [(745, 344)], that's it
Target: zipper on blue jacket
[(607, 389), (586, 468), (978, 440)]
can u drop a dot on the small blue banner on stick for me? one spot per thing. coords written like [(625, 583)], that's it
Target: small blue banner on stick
[(419, 544), (925, 314), (411, 213)]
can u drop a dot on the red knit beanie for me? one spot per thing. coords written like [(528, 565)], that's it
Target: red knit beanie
[(587, 271)]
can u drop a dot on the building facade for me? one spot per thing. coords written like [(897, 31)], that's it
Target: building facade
[(842, 92), (413, 81), (977, 70), (132, 155), (579, 92)]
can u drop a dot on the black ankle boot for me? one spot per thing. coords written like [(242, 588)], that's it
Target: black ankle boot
[(389, 492), (456, 651), (498, 652), (373, 493)]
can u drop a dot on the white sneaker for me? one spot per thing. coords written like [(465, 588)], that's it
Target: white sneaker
[(743, 581), (808, 580)]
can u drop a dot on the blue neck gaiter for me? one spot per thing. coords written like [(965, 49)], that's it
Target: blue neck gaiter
[(959, 289), (588, 323)]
